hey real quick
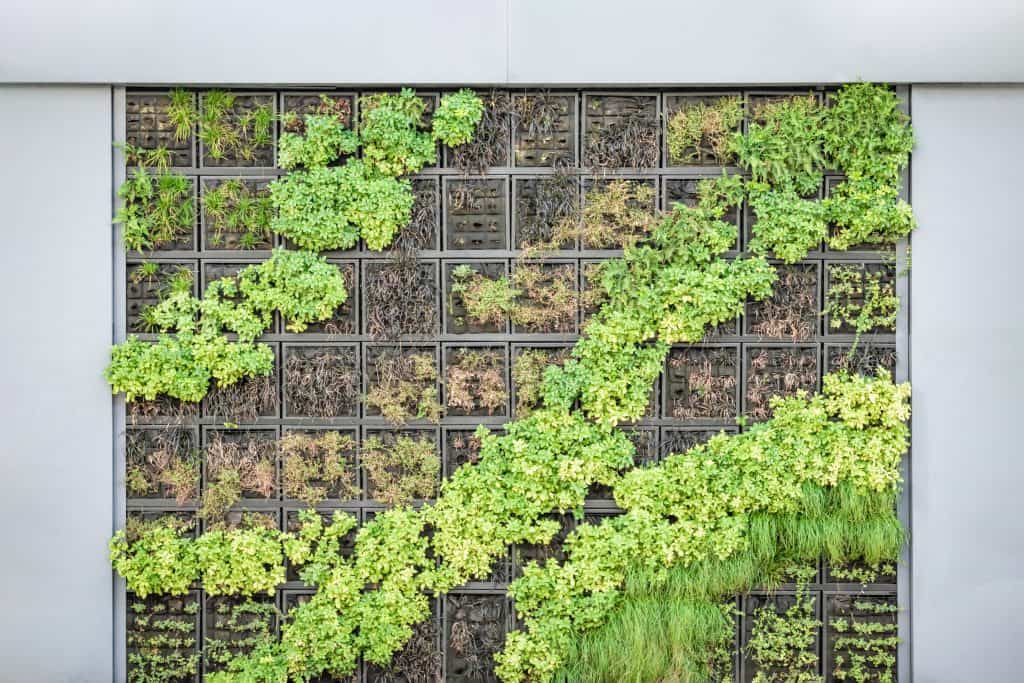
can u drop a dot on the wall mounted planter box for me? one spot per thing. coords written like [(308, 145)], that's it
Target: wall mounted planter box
[(541, 553), (186, 240), (474, 630), (684, 190), (538, 203), (621, 130), (373, 489), (321, 381), (887, 274), (147, 125), (143, 290), (387, 316), (777, 371), (343, 490), (163, 637), (553, 144), (478, 371), (245, 103), (476, 213), (303, 103), (860, 635), (219, 233), (378, 360), (779, 602), (456, 320), (523, 403), (888, 249), (248, 400), (702, 383), (421, 659), (292, 523), (422, 231), (155, 449), (345, 320), (553, 275), (750, 220), (645, 441), (495, 144), (234, 626), (864, 360), (793, 311), (673, 103), (598, 184)]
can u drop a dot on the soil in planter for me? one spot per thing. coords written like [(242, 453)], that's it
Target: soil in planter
[(476, 214), (622, 131), (419, 660), (489, 147), (861, 298), (345, 319), (528, 368), (162, 463), (865, 359), (780, 638), (402, 384), (149, 124), (476, 627), (545, 129), (542, 205), (321, 381), (616, 213), (401, 299), (462, 447), (238, 465), (236, 213), (292, 524), (161, 640), (475, 381), (701, 384), (236, 130), (778, 372), (861, 638), (400, 467), (244, 401), (792, 311), (698, 128), (148, 283), (236, 626), (542, 552), (421, 231), (686, 191), (547, 300), (478, 298), (319, 465)]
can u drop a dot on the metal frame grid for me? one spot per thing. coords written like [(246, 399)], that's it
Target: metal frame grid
[(137, 118)]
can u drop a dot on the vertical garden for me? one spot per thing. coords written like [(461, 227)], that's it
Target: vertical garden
[(528, 385)]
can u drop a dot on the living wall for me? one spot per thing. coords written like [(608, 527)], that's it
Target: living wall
[(331, 291)]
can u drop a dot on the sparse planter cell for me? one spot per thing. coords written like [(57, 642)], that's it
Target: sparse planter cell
[(476, 381), (528, 365), (321, 381), (793, 311), (685, 191), (698, 128), (702, 383), (236, 213), (237, 129), (790, 635), (162, 463), (860, 298), (162, 410), (319, 465), (548, 301), (400, 298), (476, 213), (860, 637), (162, 638), (777, 371), (617, 212), (419, 660), (675, 440), (545, 132), (238, 466), (234, 626), (402, 383), (346, 317), (865, 359), (147, 282), (457, 319), (400, 467), (541, 205), (475, 628), (149, 125), (491, 143), (859, 574), (420, 234), (462, 447), (620, 131)]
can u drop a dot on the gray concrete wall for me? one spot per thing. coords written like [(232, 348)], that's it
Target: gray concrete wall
[(512, 41), (966, 340), (55, 457)]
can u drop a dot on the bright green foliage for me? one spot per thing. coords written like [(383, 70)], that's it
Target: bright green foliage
[(224, 133), (862, 299), (240, 562), (379, 205), (312, 210), (457, 116), (156, 557), (704, 505), (701, 130), (156, 208), (785, 642), (326, 138), (182, 114), (391, 130), (783, 145), (787, 225), (232, 207)]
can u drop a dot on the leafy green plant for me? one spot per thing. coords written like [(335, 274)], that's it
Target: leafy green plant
[(400, 470), (244, 561), (231, 207), (787, 225), (528, 376), (181, 112), (156, 209), (227, 134), (155, 557), (457, 117), (782, 645), (862, 299), (702, 130), (391, 129), (316, 465), (235, 468)]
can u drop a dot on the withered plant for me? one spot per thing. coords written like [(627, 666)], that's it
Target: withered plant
[(403, 386), (339, 108), (243, 401), (321, 381), (778, 372), (865, 359), (547, 299), (544, 203), (625, 140), (235, 469), (400, 469), (421, 230), (401, 299), (316, 466), (702, 383), (476, 633), (792, 309), (490, 144), (475, 381), (162, 461), (419, 660)]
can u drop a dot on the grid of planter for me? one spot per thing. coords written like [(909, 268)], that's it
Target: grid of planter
[(403, 323)]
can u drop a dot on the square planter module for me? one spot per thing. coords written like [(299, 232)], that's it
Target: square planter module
[(865, 359), (889, 249), (234, 626), (593, 185), (645, 441), (702, 384), (430, 101), (157, 458), (678, 440), (162, 637), (315, 470), (549, 302), (475, 381), (292, 599), (249, 400), (793, 311), (235, 214), (456, 318), (293, 523), (491, 146), (252, 453), (420, 659), (410, 478), (704, 152), (235, 138), (476, 213), (185, 239), (414, 313), (778, 602), (621, 130), (539, 203), (545, 132), (345, 320), (754, 99), (528, 362), (402, 371), (421, 233), (685, 190), (301, 103), (750, 221), (462, 447), (864, 273), (321, 381), (858, 576), (777, 371), (146, 282), (475, 625), (149, 126), (541, 553), (230, 268), (861, 637)]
